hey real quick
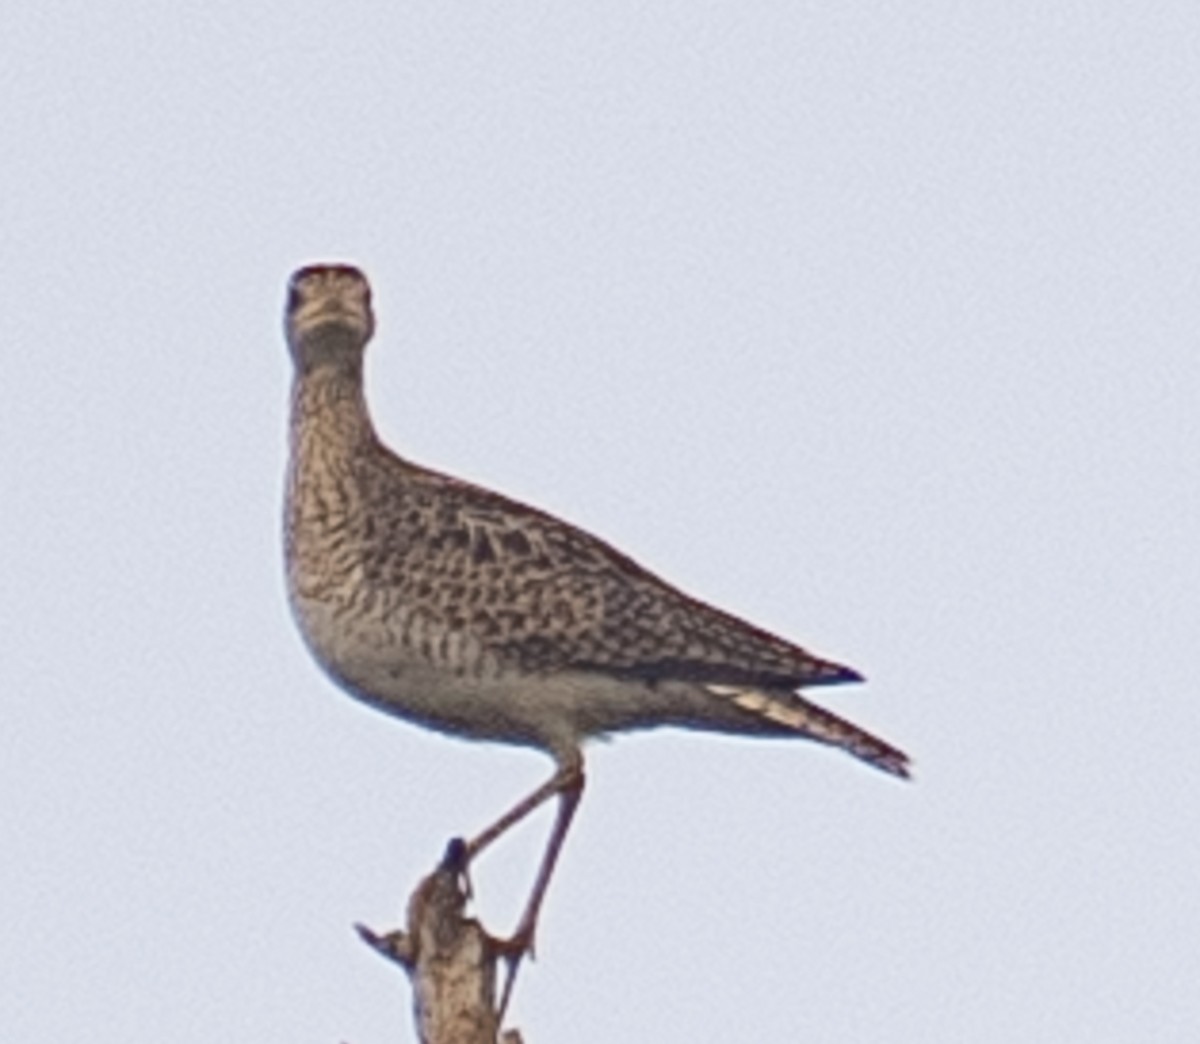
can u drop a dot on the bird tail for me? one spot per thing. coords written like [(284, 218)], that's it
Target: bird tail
[(798, 715)]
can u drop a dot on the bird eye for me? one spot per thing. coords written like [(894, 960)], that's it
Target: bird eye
[(296, 286)]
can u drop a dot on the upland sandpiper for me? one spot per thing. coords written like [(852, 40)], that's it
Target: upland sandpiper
[(464, 611)]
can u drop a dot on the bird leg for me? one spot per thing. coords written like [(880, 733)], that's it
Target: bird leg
[(554, 786), (567, 785)]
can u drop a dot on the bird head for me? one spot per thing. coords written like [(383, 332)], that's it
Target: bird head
[(328, 317)]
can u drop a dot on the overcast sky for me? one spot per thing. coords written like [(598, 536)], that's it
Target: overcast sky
[(874, 323)]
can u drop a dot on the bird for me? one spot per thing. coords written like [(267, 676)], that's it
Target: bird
[(468, 612)]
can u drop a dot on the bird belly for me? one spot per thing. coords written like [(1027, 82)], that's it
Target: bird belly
[(414, 668), (410, 665)]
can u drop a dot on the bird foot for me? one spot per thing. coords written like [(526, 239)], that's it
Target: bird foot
[(457, 861), (518, 945), (512, 951)]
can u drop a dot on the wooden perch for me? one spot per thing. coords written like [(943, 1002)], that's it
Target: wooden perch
[(450, 959)]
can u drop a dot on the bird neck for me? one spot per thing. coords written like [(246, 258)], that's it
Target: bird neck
[(330, 409)]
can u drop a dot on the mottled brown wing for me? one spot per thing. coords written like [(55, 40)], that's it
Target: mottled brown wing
[(545, 596)]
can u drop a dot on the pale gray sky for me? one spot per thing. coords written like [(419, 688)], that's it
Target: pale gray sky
[(874, 323)]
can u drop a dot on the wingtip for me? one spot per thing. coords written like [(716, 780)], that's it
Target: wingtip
[(837, 674)]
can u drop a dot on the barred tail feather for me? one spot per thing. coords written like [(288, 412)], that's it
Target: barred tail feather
[(797, 714)]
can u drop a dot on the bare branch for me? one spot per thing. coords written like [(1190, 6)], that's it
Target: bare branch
[(450, 959)]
